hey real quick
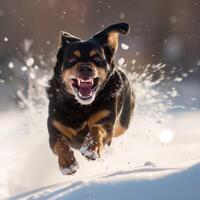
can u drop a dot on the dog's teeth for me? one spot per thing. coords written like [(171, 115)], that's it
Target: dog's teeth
[(80, 94), (87, 81), (79, 81)]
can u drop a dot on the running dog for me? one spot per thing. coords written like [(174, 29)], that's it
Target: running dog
[(90, 99)]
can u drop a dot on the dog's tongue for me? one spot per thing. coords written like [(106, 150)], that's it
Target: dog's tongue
[(85, 89)]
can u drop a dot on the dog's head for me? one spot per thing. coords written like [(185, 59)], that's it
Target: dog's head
[(84, 66)]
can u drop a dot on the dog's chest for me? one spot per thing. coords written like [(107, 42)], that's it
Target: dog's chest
[(76, 128)]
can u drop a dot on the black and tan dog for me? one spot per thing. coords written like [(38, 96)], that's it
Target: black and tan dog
[(90, 99)]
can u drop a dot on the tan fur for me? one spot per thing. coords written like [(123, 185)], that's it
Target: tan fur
[(119, 129), (65, 154), (102, 75), (96, 134), (92, 53), (93, 119), (113, 40), (77, 53), (66, 78), (65, 130)]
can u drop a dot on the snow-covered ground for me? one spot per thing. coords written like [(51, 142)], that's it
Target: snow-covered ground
[(126, 185), (156, 159), (149, 162)]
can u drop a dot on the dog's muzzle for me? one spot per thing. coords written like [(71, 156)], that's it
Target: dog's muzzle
[(85, 84)]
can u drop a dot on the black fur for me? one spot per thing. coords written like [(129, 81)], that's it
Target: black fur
[(115, 95)]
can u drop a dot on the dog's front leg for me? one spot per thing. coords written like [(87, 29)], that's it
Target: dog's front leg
[(66, 159), (59, 137), (94, 142), (100, 134)]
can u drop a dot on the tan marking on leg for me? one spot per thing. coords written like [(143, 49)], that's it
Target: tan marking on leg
[(92, 53), (65, 155), (57, 147), (93, 142), (119, 129), (65, 130), (94, 118), (77, 53), (98, 133)]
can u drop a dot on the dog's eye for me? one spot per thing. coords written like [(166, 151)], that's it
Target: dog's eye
[(97, 59), (72, 61)]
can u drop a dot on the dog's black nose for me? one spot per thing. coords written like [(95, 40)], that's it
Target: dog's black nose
[(86, 71)]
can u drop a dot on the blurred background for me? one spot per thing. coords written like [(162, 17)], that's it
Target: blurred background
[(162, 54), (161, 32)]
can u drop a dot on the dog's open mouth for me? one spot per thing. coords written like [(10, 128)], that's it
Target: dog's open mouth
[(85, 89)]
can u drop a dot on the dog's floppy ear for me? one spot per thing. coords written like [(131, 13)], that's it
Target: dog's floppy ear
[(109, 38), (67, 38)]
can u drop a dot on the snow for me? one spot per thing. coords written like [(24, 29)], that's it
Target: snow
[(121, 61), (36, 67), (24, 68), (122, 15), (69, 170), (178, 79), (30, 62), (84, 150), (173, 93), (156, 158), (5, 39), (11, 65), (137, 53), (133, 62), (178, 185), (48, 42), (122, 171), (2, 81), (166, 136), (124, 46), (32, 75)]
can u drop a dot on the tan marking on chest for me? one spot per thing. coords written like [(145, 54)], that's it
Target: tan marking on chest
[(94, 118), (65, 130)]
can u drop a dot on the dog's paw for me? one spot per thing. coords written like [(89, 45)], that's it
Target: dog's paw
[(93, 143), (67, 162), (89, 153), (69, 169)]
